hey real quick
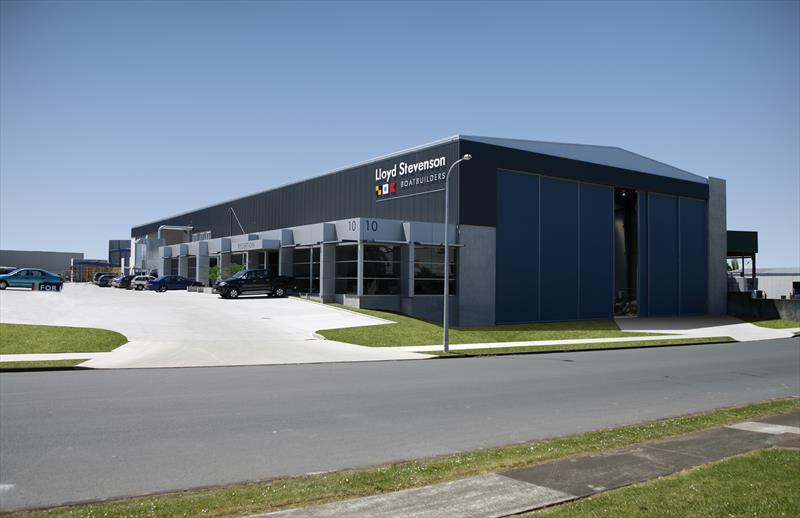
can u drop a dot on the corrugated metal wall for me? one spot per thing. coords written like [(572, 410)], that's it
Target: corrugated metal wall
[(345, 194)]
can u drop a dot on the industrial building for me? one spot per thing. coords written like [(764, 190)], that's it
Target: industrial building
[(540, 231), (58, 263)]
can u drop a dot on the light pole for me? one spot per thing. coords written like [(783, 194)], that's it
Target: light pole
[(445, 324)]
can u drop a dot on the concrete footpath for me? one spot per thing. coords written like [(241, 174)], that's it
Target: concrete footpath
[(543, 485)]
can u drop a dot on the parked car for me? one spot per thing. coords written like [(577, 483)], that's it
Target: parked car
[(123, 281), (253, 282), (98, 275), (31, 278), (171, 282), (139, 282), (105, 280)]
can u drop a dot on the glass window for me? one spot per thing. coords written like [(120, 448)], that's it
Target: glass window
[(347, 269), (382, 269), (306, 273), (429, 270)]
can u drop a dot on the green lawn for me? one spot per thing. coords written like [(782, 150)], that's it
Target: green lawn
[(43, 363), (260, 497), (760, 483), (777, 323), (579, 347), (29, 339), (413, 331)]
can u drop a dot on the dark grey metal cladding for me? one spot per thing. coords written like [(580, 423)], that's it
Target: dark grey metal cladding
[(338, 195), (478, 189)]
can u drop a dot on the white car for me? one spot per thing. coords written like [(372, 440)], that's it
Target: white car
[(140, 282)]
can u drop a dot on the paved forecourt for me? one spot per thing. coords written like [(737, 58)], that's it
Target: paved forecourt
[(186, 329)]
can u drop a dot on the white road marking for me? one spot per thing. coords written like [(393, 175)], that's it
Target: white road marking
[(774, 429)]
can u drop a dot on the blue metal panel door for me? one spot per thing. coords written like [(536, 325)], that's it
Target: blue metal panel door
[(693, 253), (517, 248), (663, 240), (596, 295), (559, 250)]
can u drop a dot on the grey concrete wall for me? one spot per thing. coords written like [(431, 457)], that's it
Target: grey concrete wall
[(476, 278), (743, 306), (717, 247), (55, 262), (430, 307), (327, 273)]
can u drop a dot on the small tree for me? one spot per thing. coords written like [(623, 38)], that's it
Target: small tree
[(214, 272)]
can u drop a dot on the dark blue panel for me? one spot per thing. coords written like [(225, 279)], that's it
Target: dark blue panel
[(517, 247), (596, 293), (559, 250), (663, 236), (693, 256), (644, 308)]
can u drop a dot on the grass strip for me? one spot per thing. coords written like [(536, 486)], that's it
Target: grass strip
[(413, 331), (244, 499), (759, 483), (30, 339), (501, 351), (776, 323), (40, 363)]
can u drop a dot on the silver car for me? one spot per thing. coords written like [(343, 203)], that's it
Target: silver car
[(140, 282)]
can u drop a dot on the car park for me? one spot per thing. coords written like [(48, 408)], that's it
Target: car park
[(33, 278), (171, 282), (139, 282), (254, 282), (105, 280)]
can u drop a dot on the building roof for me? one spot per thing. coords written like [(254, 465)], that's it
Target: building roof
[(605, 155)]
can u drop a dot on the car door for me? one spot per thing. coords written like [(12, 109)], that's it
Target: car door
[(19, 279), (249, 282)]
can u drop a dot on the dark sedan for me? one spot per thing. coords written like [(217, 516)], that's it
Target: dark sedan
[(171, 282)]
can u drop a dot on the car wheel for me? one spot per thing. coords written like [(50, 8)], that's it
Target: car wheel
[(280, 293), (233, 293), (139, 287), (162, 288), (3, 285)]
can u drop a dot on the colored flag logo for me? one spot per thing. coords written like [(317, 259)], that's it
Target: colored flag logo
[(387, 188)]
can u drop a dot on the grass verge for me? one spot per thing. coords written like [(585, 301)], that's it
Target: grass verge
[(413, 331), (42, 363), (30, 339), (500, 351), (776, 323), (760, 483), (244, 499)]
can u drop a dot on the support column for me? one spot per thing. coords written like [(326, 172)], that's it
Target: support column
[(327, 273), (360, 280), (717, 247), (183, 265), (203, 262), (165, 268)]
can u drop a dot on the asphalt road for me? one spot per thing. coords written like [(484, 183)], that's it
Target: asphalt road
[(81, 435)]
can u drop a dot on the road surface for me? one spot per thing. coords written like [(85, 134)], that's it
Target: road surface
[(82, 435)]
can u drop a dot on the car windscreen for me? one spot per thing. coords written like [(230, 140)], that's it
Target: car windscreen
[(238, 274)]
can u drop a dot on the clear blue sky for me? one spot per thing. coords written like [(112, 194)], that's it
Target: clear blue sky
[(114, 114)]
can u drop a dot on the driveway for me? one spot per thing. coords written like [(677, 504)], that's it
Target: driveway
[(183, 329)]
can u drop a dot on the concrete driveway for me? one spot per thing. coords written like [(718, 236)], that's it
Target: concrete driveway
[(183, 329)]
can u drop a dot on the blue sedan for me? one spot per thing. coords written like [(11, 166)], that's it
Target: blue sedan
[(171, 282), (31, 278)]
